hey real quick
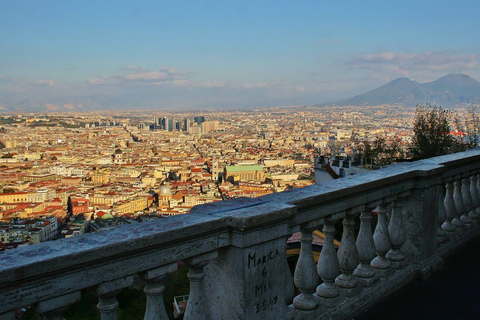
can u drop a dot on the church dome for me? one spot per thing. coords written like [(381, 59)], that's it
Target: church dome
[(107, 216), (165, 190)]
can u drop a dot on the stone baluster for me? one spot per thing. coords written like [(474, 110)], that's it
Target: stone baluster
[(328, 267), (306, 278), (366, 250), (197, 306), (442, 218), (107, 296), (398, 235), (475, 197), (154, 291), (382, 243), (467, 200), (453, 221), (458, 205), (347, 255), (53, 309)]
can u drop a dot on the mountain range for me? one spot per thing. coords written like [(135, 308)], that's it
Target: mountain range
[(448, 91)]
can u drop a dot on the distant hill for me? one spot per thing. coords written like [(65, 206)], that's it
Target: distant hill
[(449, 91)]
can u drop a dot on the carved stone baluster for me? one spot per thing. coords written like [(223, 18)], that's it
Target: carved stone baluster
[(52, 309), (306, 278), (442, 216), (347, 256), (397, 233), (475, 198), (467, 199), (382, 243), (107, 296), (328, 267), (449, 206), (366, 250), (458, 205), (197, 306), (154, 291)]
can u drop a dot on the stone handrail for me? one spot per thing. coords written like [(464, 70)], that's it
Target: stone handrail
[(236, 249)]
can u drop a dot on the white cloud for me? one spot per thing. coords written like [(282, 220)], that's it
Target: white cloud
[(147, 77), (96, 81), (134, 75), (45, 83)]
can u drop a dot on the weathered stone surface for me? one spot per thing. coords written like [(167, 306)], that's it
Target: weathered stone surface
[(347, 255), (160, 271), (248, 283), (382, 241), (366, 250), (85, 276), (306, 277), (107, 293), (397, 234), (328, 267), (154, 289), (58, 302), (198, 306)]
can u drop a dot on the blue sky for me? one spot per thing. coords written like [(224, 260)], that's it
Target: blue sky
[(187, 54)]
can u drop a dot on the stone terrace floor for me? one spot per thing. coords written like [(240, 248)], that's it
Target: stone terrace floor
[(452, 293)]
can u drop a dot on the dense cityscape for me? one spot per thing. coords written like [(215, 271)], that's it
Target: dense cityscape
[(66, 174)]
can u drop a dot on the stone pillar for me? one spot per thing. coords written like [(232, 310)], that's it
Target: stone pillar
[(52, 309), (459, 205), (451, 222), (347, 255), (250, 280), (397, 233), (107, 296), (467, 200), (366, 250), (154, 291), (421, 221), (306, 278), (382, 243), (198, 306), (328, 267)]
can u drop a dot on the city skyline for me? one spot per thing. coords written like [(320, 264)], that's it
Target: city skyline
[(209, 55)]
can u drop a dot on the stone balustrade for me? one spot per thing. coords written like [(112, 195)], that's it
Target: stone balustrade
[(236, 250)]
